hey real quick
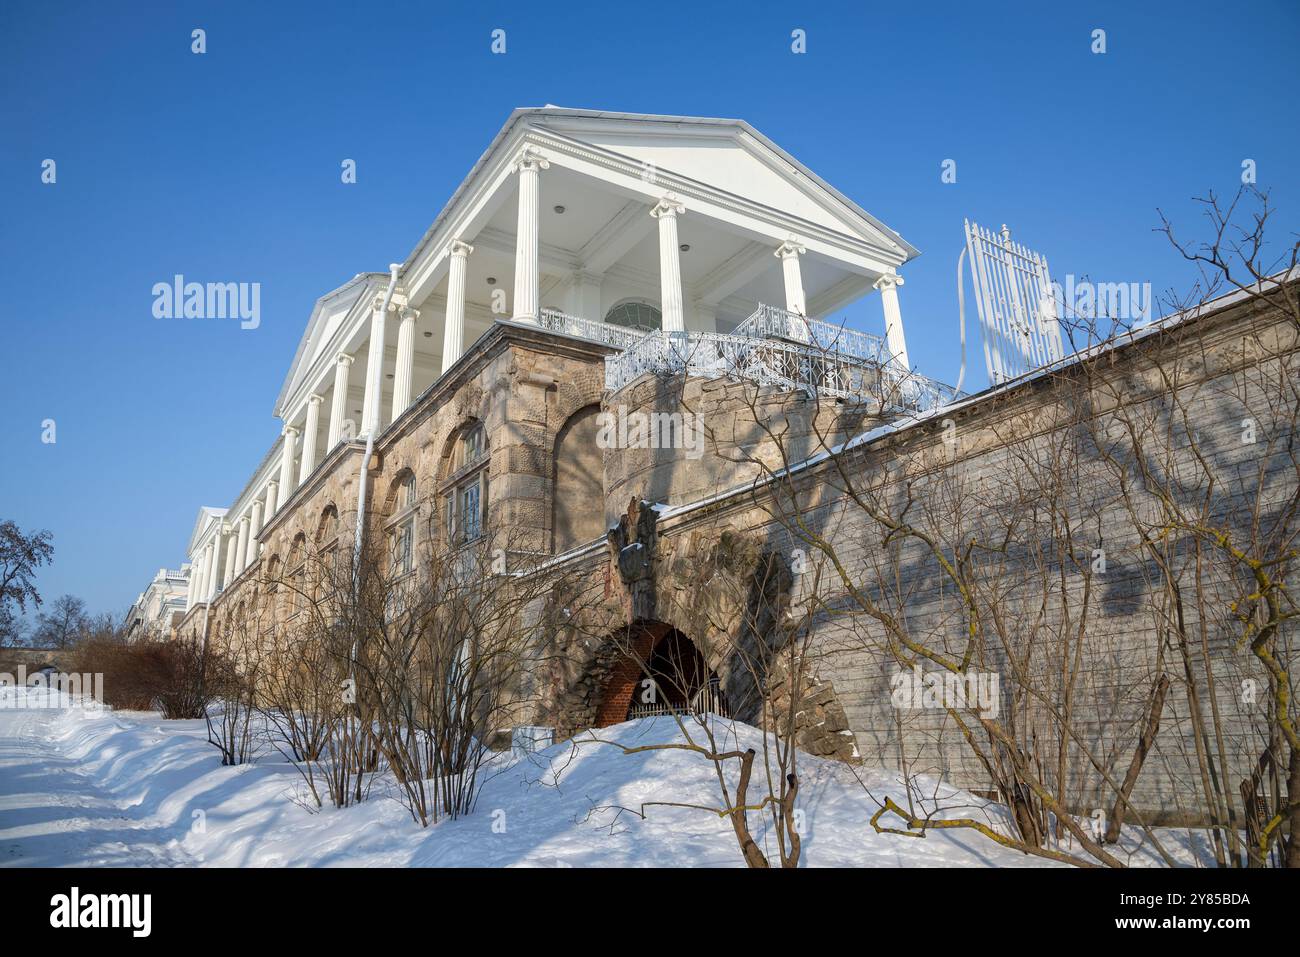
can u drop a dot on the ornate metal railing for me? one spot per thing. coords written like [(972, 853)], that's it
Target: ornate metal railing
[(771, 321), (708, 699), (611, 335), (835, 362), (713, 355)]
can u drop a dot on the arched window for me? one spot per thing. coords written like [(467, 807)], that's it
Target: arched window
[(327, 547), (297, 575), (403, 503), (635, 314), (327, 530), (465, 491), (271, 593)]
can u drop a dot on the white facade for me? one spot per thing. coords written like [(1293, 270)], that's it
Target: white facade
[(568, 219)]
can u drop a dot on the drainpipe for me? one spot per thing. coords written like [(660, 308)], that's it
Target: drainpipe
[(370, 429)]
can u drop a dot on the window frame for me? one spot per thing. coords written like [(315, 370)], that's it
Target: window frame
[(471, 461)]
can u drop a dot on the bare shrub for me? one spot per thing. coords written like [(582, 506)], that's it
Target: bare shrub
[(167, 675)]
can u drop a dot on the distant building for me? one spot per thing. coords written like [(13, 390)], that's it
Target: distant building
[(161, 606)]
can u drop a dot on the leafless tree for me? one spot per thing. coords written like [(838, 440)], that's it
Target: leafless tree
[(986, 554), (62, 624), (21, 554)]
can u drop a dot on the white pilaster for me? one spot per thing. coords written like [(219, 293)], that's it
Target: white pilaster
[(286, 462), (888, 285), (309, 437), (374, 370), (272, 499), (789, 253), (670, 264), (584, 297), (405, 360), (254, 527), (453, 334), (706, 317), (528, 165), (339, 403)]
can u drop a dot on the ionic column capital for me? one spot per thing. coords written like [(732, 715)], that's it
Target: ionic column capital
[(530, 158), (888, 281), (314, 399), (289, 432), (459, 248), (377, 305), (790, 248), (408, 314), (344, 359), (668, 205)]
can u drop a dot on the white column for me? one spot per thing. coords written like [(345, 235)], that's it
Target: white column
[(203, 575), (286, 463), (309, 437), (670, 264), (374, 370), (888, 285), (232, 555), (453, 333), (254, 527), (405, 360), (241, 547), (210, 569), (789, 253), (193, 589), (339, 404), (529, 165), (272, 499)]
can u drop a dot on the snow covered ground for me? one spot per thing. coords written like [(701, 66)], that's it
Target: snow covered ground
[(92, 788)]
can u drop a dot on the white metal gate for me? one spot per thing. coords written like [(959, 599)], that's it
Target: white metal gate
[(1017, 306)]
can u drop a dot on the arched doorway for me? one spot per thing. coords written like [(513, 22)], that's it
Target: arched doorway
[(679, 678)]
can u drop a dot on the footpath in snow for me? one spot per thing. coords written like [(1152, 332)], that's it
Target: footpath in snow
[(93, 788)]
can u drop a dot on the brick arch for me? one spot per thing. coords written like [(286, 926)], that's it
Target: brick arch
[(626, 675)]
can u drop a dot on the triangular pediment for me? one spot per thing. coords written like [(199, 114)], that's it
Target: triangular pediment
[(327, 317), (726, 154)]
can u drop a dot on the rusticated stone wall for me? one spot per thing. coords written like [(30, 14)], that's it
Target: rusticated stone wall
[(693, 546)]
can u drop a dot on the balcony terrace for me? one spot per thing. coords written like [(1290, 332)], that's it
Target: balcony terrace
[(773, 347)]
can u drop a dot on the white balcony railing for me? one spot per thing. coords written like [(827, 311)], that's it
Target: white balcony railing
[(617, 336), (785, 350), (713, 355), (770, 322)]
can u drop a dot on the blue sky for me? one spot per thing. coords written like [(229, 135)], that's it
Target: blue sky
[(227, 165)]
